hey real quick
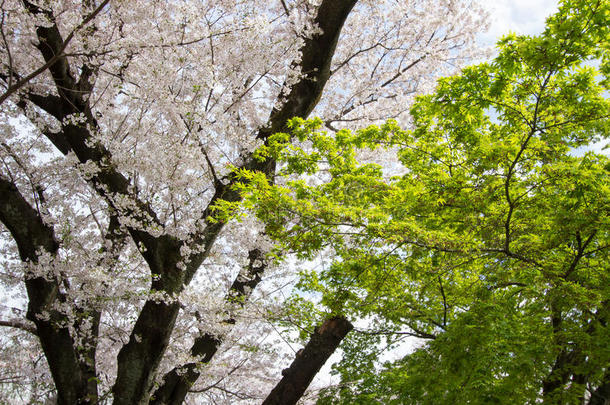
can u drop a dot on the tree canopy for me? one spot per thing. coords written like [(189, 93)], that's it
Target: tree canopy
[(119, 122), (485, 232)]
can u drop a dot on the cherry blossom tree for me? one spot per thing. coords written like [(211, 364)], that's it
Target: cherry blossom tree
[(119, 124)]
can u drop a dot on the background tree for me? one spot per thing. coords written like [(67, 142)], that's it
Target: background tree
[(119, 121), (488, 238)]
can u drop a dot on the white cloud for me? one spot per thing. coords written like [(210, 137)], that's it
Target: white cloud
[(520, 16)]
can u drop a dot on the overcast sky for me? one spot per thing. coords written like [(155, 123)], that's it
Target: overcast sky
[(520, 16)]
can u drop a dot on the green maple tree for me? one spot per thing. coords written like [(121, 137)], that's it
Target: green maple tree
[(488, 236)]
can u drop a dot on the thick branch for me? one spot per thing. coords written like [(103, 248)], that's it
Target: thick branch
[(177, 382), (554, 384), (22, 324), (33, 236), (161, 254), (322, 344), (77, 137), (138, 359), (54, 56), (317, 54)]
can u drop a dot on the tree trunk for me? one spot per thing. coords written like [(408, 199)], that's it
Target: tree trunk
[(309, 360)]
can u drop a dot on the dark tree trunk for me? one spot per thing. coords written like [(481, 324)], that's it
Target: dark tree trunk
[(322, 344), (32, 235), (178, 381), (317, 54), (139, 359)]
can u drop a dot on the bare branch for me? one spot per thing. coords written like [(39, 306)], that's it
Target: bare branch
[(22, 324)]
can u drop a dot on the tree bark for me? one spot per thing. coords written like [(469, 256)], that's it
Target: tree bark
[(322, 344), (72, 378), (178, 381), (138, 360), (317, 54)]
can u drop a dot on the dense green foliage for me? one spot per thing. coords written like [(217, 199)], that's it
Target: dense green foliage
[(487, 232)]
